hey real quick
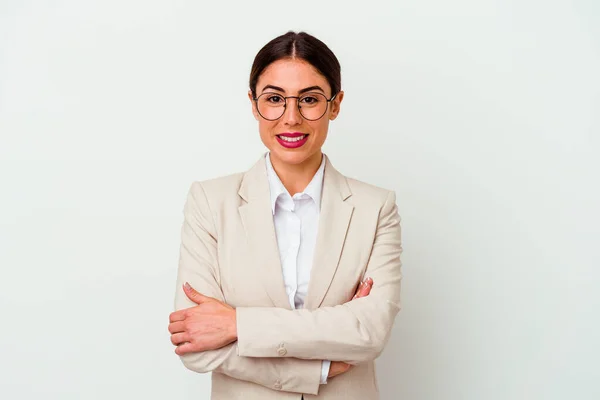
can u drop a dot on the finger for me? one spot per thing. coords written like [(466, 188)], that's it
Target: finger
[(360, 292), (368, 283), (193, 294), (184, 349), (176, 327), (366, 289), (179, 338), (358, 289), (177, 316), (357, 293), (363, 290)]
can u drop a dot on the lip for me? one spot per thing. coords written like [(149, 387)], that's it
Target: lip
[(292, 145), (291, 134)]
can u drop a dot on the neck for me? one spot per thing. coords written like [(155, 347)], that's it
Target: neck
[(296, 177)]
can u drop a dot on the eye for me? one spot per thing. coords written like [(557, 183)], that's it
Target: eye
[(275, 99), (309, 100)]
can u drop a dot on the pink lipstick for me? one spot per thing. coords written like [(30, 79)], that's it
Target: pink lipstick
[(292, 140)]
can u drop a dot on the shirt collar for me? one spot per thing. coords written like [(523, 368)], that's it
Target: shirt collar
[(314, 188)]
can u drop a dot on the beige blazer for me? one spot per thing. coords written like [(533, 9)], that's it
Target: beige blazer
[(229, 252)]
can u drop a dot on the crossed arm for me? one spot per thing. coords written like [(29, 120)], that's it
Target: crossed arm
[(353, 332)]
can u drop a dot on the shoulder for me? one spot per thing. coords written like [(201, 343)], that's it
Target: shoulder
[(223, 185), (216, 191), (364, 193), (361, 193), (374, 201)]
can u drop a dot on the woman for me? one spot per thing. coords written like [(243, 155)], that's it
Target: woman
[(271, 295)]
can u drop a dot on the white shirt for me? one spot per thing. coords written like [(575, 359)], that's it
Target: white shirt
[(296, 220)]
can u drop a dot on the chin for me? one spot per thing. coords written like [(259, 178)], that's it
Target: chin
[(292, 156)]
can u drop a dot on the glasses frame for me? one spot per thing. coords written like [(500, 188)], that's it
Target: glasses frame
[(297, 102)]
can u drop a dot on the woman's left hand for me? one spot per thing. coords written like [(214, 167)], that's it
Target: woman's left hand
[(208, 326)]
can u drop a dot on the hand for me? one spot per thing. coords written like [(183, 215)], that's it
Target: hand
[(339, 367), (208, 326), (364, 288)]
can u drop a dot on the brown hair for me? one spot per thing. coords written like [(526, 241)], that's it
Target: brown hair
[(303, 46)]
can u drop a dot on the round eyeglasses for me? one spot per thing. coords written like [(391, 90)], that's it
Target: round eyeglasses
[(312, 106)]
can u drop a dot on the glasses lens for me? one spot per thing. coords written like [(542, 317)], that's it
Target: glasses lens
[(312, 105), (270, 105)]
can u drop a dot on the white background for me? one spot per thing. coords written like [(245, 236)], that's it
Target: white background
[(483, 115)]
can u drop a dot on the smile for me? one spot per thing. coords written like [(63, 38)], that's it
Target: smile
[(292, 141)]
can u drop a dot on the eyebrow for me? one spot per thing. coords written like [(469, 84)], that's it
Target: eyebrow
[(308, 89)]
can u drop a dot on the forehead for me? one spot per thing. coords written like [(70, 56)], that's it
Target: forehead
[(291, 75)]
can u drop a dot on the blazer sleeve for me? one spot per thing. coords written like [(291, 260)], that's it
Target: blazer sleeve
[(354, 332), (198, 265)]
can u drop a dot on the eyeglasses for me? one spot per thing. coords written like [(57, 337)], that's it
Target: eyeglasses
[(312, 106)]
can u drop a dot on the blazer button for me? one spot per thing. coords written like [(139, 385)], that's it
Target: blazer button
[(281, 351), (278, 386)]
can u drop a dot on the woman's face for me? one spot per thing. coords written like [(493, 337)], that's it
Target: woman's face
[(291, 77)]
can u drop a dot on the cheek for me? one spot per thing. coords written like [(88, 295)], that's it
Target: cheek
[(266, 128), (320, 129)]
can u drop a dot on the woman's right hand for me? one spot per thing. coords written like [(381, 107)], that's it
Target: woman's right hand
[(339, 367)]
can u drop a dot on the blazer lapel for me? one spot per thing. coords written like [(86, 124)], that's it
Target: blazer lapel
[(257, 218), (334, 220)]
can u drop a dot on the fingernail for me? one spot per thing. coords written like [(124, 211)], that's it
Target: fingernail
[(187, 286)]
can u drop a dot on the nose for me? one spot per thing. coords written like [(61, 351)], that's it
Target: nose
[(291, 115)]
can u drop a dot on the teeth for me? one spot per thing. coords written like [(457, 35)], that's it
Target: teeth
[(290, 139)]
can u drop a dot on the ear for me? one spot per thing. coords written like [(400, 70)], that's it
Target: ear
[(336, 105), (254, 111)]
